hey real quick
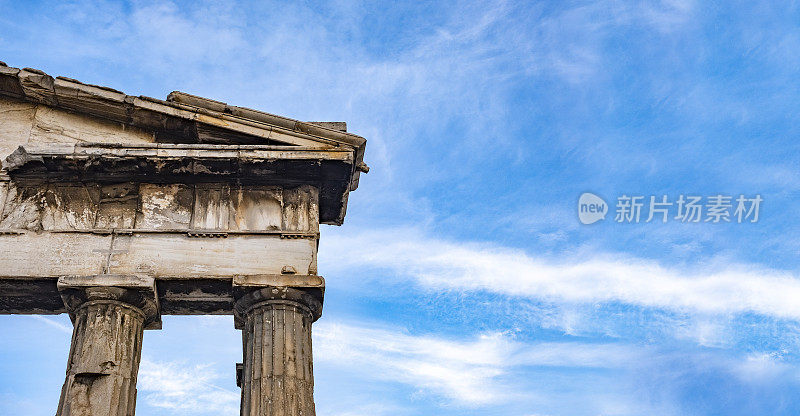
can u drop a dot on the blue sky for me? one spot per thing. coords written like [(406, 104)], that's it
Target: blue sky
[(462, 282)]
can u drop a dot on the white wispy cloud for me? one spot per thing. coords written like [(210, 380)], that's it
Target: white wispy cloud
[(181, 388), (367, 408), (53, 323), (467, 372), (495, 369), (433, 263)]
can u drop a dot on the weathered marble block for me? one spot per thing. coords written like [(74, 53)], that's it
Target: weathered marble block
[(209, 206)]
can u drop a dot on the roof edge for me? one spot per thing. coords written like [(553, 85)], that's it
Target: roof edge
[(182, 116), (34, 85)]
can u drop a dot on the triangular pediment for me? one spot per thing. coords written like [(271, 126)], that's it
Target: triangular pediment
[(212, 139), (181, 118)]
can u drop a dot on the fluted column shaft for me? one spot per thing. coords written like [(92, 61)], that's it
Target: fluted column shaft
[(103, 360), (109, 314), (277, 378)]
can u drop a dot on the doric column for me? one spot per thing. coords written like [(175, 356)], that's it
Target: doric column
[(109, 315), (277, 376)]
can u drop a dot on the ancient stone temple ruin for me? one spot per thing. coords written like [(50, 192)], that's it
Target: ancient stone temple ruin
[(119, 209)]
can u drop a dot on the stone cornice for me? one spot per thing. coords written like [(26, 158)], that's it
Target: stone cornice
[(185, 118), (327, 168), (62, 92)]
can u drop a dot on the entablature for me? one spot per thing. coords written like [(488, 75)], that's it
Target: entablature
[(326, 170)]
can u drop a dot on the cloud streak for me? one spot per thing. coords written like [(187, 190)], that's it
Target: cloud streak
[(471, 372), (53, 323), (485, 371), (437, 264), (184, 389)]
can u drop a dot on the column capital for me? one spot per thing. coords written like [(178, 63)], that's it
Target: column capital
[(246, 300), (136, 292)]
